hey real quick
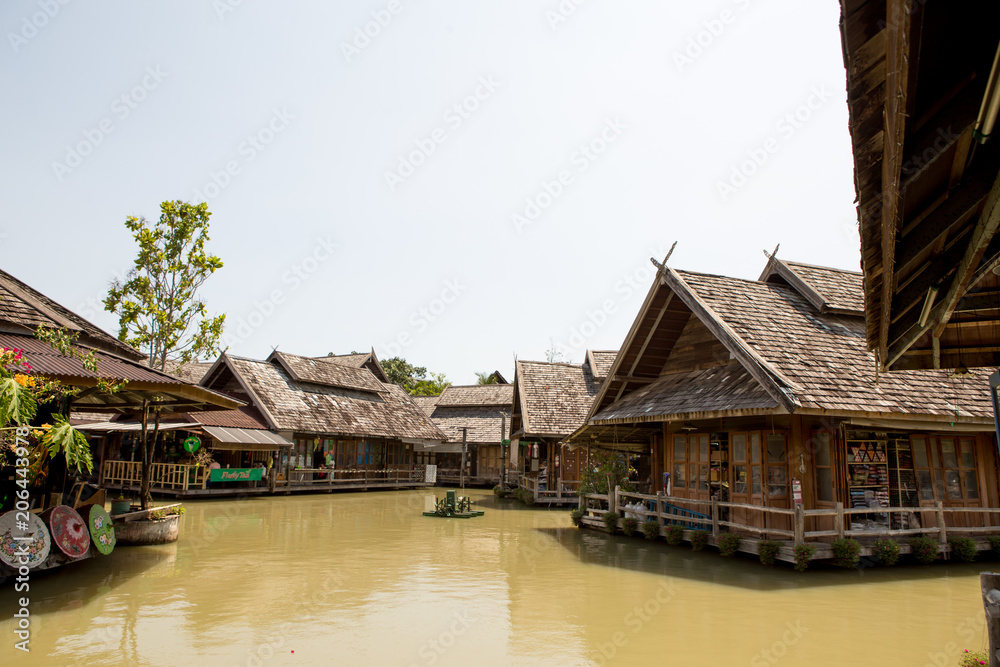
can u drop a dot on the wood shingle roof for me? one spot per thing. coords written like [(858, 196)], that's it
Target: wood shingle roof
[(552, 399), (476, 395), (327, 409)]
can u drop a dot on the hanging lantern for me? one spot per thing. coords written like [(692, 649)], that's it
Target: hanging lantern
[(534, 451), (557, 460)]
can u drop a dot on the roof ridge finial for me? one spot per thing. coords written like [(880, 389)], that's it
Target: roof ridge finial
[(773, 254), (663, 265)]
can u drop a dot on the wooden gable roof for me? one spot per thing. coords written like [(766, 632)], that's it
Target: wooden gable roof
[(922, 83), (476, 395), (321, 404), (551, 399), (317, 371), (757, 347), (23, 309), (359, 360)]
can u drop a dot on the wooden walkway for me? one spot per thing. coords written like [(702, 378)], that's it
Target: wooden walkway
[(669, 511)]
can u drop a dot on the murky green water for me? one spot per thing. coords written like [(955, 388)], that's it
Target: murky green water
[(364, 579)]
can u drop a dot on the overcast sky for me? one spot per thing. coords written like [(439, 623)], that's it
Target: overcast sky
[(453, 182)]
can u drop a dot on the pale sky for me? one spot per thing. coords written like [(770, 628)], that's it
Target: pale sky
[(452, 182)]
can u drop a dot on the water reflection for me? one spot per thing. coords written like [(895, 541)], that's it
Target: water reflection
[(365, 579)]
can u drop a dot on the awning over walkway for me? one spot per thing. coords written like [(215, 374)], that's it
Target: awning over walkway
[(134, 426), (247, 439)]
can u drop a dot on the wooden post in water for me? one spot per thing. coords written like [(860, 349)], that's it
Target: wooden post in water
[(614, 499), (461, 472), (715, 518), (800, 525), (989, 582), (942, 529), (838, 521)]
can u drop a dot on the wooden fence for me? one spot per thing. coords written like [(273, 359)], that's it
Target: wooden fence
[(669, 510), (325, 477), (162, 475)]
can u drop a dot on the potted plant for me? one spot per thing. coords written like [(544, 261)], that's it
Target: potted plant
[(157, 526), (121, 505)]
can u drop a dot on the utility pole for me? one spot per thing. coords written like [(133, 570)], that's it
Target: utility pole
[(503, 451), (461, 472)]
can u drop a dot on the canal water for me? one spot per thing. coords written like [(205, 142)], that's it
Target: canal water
[(364, 579)]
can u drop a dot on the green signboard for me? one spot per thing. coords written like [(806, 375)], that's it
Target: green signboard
[(235, 475), (192, 444)]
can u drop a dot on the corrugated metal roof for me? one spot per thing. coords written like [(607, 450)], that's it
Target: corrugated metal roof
[(246, 436)]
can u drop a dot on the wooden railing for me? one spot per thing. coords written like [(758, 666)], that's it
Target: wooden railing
[(161, 475), (566, 490), (325, 477), (672, 510)]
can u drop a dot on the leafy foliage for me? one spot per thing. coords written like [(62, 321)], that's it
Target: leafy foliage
[(963, 548), (846, 552), (577, 516), (486, 377), (17, 404), (924, 549), (602, 465), (729, 544), (401, 372), (66, 440), (699, 538), (432, 386), (995, 546), (973, 658), (158, 308), (610, 521), (803, 553), (886, 550), (555, 354), (630, 526), (675, 534), (499, 491), (767, 551), (414, 379), (651, 529)]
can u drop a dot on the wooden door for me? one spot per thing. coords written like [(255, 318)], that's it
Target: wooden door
[(945, 469), (777, 487)]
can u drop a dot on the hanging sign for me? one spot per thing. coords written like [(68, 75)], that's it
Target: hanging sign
[(192, 444), (797, 491), (235, 475)]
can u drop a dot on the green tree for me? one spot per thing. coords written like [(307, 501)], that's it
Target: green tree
[(606, 470), (403, 373), (431, 386), (158, 307), (486, 378)]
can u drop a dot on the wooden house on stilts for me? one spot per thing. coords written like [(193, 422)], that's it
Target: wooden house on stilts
[(762, 410)]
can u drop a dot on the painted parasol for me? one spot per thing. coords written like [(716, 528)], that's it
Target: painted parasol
[(30, 552), (102, 528), (68, 529)]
